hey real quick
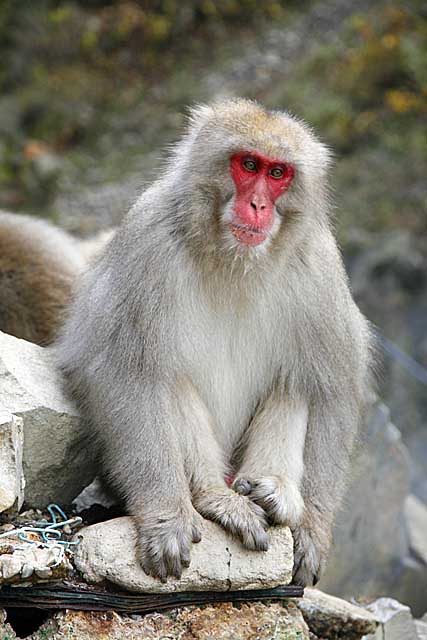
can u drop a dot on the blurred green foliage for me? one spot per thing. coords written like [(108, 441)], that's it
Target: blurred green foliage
[(69, 67), (89, 87), (366, 92)]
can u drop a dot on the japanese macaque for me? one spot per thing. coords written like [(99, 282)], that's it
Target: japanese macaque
[(215, 350), (39, 265)]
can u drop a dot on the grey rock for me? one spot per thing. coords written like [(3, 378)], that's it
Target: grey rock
[(409, 585), (421, 628), (416, 523), (10, 567), (222, 621), (30, 563), (56, 468), (370, 539), (395, 618), (93, 494), (330, 617), (218, 562), (12, 475), (388, 273)]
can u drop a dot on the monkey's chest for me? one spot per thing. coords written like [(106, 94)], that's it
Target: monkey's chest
[(232, 366)]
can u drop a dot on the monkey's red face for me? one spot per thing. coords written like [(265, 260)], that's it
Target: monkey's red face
[(259, 181)]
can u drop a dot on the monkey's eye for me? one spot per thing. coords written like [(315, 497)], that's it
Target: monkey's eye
[(276, 173), (250, 165)]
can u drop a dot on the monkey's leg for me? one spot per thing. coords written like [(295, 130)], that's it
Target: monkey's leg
[(331, 432), (273, 459), (144, 453), (206, 466)]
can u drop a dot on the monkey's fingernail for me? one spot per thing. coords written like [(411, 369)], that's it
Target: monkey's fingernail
[(185, 559), (242, 486), (263, 545), (196, 535)]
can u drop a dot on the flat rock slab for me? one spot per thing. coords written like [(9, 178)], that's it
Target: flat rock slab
[(56, 467), (395, 618), (333, 618), (12, 475), (218, 563)]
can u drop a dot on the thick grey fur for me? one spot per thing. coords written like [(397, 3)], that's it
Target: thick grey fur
[(192, 356)]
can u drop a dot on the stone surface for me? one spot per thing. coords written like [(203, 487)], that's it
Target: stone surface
[(395, 618), (330, 617), (254, 621), (416, 522), (370, 539), (12, 475), (421, 628), (93, 494), (27, 563), (56, 468), (388, 273), (219, 562)]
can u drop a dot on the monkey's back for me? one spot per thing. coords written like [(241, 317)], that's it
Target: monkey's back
[(38, 267)]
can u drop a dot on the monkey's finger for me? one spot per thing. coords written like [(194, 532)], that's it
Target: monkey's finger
[(172, 556), (196, 536), (242, 486), (148, 565), (185, 558), (256, 539)]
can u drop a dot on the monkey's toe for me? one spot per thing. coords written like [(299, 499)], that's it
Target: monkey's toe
[(242, 486), (279, 498), (164, 545), (309, 558), (243, 518)]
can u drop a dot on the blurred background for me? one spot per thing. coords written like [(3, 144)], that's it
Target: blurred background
[(92, 91)]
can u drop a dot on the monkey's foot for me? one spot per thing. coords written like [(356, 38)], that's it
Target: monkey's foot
[(309, 557), (164, 542), (237, 514), (280, 498)]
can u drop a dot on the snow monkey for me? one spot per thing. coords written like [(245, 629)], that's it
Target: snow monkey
[(215, 349), (38, 268)]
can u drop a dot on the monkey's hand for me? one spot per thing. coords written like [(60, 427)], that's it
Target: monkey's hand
[(311, 545), (242, 517), (279, 497), (164, 542)]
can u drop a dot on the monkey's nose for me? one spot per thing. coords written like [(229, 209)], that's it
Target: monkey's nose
[(257, 207)]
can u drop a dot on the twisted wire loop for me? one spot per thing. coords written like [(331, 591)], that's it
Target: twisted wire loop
[(48, 534)]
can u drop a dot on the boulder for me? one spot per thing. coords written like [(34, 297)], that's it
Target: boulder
[(56, 467), (23, 564), (416, 522), (333, 618), (218, 563), (218, 621), (421, 627), (370, 539), (95, 494), (12, 475), (396, 622)]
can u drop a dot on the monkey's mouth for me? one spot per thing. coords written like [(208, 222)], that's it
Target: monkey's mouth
[(247, 235)]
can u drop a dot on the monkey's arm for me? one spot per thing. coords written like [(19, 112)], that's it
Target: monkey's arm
[(331, 432), (272, 460), (136, 429)]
